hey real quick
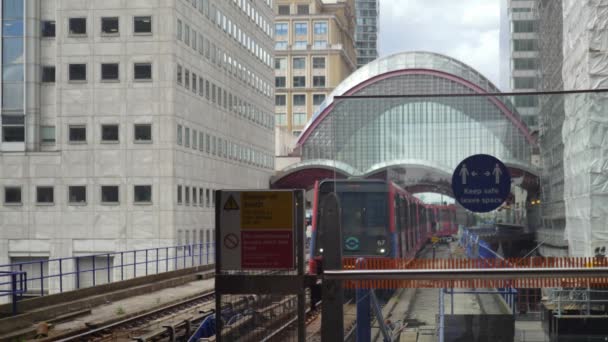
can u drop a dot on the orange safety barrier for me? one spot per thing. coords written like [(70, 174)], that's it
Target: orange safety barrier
[(455, 264)]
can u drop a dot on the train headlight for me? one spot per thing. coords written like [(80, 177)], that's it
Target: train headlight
[(320, 250), (381, 251)]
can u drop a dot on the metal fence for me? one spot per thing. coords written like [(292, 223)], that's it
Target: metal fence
[(50, 276)]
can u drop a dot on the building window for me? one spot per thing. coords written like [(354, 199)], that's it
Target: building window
[(320, 44), (279, 82), (300, 45), (280, 119), (109, 72), (13, 129), (179, 74), (299, 81), (194, 195), (299, 63), (179, 29), (280, 100), (78, 26), (526, 101), (179, 134), (283, 9), (525, 45), (109, 133), (524, 26), (280, 63), (45, 194), (48, 74), (299, 119), (187, 137), (77, 194), (77, 72), (142, 71), (109, 194), (281, 29), (77, 134), (179, 194), (201, 192), (317, 99), (281, 45), (301, 29), (194, 78), (318, 81), (524, 82), (318, 62), (525, 63), (187, 195), (48, 28), (109, 25), (299, 100), (303, 9), (142, 25), (187, 78), (321, 27), (207, 198), (47, 134), (142, 194), (142, 132), (12, 195)]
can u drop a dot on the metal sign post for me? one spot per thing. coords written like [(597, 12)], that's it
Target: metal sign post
[(332, 319), (259, 233)]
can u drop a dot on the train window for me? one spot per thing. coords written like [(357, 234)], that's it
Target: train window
[(364, 223)]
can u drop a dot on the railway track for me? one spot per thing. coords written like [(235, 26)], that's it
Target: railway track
[(134, 327)]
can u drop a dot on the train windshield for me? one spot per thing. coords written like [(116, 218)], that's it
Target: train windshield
[(364, 224)]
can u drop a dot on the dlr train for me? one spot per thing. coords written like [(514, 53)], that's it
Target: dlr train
[(379, 220)]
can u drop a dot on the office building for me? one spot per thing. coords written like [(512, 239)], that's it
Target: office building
[(120, 120), (367, 30), (314, 51)]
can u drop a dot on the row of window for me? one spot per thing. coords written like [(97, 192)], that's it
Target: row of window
[(185, 240), (297, 119), (301, 9), (318, 44), (300, 82), (77, 194), (110, 133), (300, 28), (225, 23), (109, 72), (280, 100), (214, 54), (223, 98), (109, 26), (197, 196), (223, 148), (299, 63)]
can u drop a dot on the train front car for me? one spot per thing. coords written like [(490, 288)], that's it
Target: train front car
[(364, 215)]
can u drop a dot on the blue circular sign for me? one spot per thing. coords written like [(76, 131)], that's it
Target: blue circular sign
[(481, 183)]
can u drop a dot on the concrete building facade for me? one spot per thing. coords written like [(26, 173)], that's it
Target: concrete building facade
[(314, 51), (120, 120)]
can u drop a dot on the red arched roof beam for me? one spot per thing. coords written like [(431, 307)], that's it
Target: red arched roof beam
[(510, 115)]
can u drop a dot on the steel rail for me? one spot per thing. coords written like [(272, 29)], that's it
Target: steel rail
[(468, 274), (88, 334)]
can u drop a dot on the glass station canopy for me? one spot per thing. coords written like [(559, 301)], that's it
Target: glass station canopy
[(415, 109)]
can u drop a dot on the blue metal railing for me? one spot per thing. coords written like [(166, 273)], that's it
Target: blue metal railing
[(13, 284), (476, 248), (49, 276)]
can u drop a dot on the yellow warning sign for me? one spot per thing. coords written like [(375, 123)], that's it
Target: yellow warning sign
[(434, 239), (267, 210), (231, 204)]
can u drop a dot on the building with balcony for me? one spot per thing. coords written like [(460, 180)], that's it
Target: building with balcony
[(314, 51), (121, 119), (366, 31)]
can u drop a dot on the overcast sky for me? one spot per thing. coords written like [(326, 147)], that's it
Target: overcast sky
[(467, 30)]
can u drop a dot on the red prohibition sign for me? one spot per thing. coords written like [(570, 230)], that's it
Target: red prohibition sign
[(231, 241)]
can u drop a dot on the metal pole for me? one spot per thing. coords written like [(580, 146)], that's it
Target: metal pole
[(332, 319), (299, 228), (452, 302), (41, 278), (218, 296), (122, 263), (93, 270), (364, 330), (441, 315), (60, 277), (77, 272), (14, 292)]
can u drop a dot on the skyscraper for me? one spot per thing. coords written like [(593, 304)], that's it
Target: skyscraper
[(523, 68), (366, 31), (121, 119)]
